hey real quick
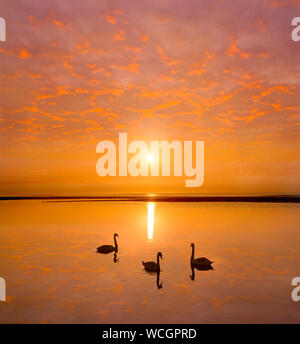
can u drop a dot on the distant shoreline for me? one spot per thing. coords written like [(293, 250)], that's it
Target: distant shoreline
[(169, 198)]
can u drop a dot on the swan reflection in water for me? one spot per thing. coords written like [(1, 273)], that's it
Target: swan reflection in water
[(158, 283), (199, 268), (116, 259)]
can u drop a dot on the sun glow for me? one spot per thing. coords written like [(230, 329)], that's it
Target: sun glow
[(150, 158)]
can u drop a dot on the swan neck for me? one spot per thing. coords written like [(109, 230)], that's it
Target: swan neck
[(115, 239), (193, 253), (158, 262)]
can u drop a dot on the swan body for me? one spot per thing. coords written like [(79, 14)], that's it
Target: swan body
[(152, 266), (105, 249), (200, 263)]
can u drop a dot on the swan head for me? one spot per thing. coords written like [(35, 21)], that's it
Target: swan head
[(159, 254), (192, 244), (116, 235)]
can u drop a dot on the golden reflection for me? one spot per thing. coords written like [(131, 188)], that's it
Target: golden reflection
[(151, 209)]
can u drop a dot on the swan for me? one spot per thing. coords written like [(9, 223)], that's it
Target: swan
[(200, 263), (105, 249), (152, 266)]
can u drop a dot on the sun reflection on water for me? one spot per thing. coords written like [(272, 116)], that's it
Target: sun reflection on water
[(151, 209)]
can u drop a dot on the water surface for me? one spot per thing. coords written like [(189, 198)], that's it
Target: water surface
[(54, 275)]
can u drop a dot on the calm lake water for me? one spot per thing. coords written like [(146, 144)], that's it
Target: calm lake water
[(54, 275)]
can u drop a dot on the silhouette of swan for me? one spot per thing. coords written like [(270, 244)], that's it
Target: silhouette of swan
[(152, 266), (202, 268), (105, 249), (200, 263)]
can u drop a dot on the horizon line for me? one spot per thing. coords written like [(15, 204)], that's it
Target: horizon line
[(162, 198)]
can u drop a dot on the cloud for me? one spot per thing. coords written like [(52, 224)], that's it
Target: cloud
[(74, 73)]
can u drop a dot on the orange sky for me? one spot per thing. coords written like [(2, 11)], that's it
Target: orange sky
[(76, 73)]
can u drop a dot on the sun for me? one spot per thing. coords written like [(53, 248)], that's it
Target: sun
[(150, 158)]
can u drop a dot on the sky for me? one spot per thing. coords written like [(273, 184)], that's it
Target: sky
[(74, 73)]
